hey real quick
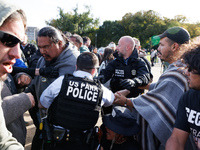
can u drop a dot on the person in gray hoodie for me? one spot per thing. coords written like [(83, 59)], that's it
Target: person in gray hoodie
[(58, 52)]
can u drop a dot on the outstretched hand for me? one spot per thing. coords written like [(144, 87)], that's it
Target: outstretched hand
[(120, 99), (124, 92)]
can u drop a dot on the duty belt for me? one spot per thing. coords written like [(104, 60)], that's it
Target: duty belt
[(61, 135)]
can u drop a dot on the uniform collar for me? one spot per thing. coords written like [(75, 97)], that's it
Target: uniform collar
[(82, 74)]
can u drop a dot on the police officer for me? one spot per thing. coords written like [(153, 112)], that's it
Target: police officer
[(127, 71), (74, 102), (28, 50)]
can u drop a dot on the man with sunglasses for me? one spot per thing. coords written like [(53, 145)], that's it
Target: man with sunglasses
[(12, 30), (187, 115)]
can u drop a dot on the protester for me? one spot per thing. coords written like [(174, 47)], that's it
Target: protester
[(97, 54), (14, 106), (12, 30), (187, 120), (57, 52), (85, 97), (142, 55), (120, 127), (77, 40), (86, 41), (112, 45), (153, 56), (158, 106), (106, 58), (86, 44)]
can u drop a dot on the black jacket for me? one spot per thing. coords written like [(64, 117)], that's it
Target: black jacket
[(28, 51), (135, 69)]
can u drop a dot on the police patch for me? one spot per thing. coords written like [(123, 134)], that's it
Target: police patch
[(119, 73), (133, 72)]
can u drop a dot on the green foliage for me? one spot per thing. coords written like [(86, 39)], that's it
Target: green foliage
[(142, 25), (80, 23), (110, 31)]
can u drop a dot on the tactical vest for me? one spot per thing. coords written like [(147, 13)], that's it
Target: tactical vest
[(123, 71), (78, 104)]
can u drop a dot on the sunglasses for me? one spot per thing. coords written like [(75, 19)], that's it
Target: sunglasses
[(8, 39)]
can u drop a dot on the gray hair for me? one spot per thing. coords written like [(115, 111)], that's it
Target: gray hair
[(78, 38), (54, 34)]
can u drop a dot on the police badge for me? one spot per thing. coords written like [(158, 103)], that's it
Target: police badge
[(133, 72)]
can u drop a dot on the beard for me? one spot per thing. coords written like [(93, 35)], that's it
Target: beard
[(120, 54)]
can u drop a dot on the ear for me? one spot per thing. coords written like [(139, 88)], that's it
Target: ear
[(93, 72), (175, 46), (60, 43)]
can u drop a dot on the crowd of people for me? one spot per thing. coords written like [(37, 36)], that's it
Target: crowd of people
[(66, 86)]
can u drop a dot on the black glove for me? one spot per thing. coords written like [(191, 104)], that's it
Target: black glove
[(127, 84), (50, 71)]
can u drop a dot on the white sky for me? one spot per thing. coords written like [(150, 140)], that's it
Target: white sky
[(38, 11)]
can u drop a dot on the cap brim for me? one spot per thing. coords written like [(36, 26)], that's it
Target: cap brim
[(123, 130), (162, 35)]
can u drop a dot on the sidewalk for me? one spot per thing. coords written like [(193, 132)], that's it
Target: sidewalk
[(156, 71)]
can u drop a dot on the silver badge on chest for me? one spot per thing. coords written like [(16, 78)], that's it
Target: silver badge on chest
[(133, 72)]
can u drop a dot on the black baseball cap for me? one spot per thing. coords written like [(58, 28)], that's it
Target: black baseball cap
[(176, 34), (121, 121)]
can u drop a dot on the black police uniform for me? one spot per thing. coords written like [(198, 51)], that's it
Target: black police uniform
[(118, 70), (76, 108), (28, 50)]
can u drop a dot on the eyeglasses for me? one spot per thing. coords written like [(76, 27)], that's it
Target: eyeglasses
[(8, 39), (45, 46)]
